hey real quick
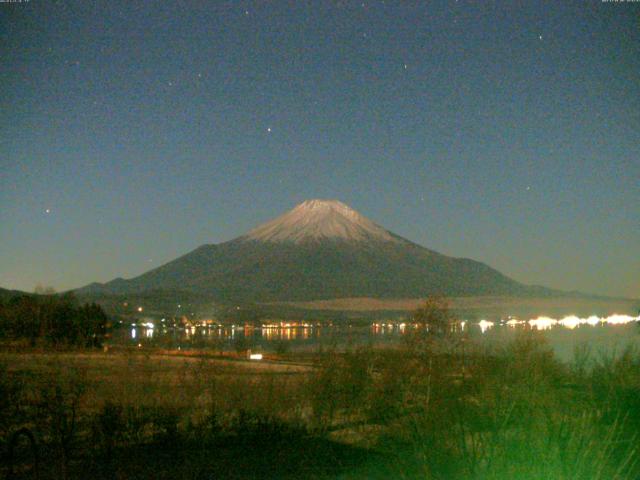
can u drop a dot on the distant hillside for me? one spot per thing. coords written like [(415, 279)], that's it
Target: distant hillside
[(6, 294)]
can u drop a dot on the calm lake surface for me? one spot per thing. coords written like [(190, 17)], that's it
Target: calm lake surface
[(603, 335)]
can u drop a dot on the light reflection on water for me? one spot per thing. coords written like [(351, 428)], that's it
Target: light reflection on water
[(562, 333)]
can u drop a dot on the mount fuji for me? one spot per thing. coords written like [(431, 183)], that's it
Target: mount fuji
[(321, 249)]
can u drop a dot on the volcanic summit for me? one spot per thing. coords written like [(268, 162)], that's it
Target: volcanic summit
[(320, 220)]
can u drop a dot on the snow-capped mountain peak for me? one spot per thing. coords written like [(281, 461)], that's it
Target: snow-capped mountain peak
[(320, 219)]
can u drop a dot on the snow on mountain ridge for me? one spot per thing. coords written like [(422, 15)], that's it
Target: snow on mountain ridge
[(319, 219)]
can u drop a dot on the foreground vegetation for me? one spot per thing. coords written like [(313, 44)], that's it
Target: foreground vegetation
[(512, 413), (436, 407)]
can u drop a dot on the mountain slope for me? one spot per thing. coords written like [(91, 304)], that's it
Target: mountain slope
[(319, 250), (6, 294)]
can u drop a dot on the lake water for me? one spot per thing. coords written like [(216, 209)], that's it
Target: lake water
[(603, 335)]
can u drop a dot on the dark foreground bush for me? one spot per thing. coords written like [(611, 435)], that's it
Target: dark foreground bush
[(516, 412), (443, 410)]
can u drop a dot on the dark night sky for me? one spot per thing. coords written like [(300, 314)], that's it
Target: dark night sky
[(508, 132)]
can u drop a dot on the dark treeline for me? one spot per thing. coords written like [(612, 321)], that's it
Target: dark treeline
[(52, 319)]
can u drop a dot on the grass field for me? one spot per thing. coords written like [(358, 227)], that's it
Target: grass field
[(431, 408)]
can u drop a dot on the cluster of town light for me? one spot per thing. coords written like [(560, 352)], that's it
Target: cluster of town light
[(539, 323), (572, 321), (293, 330)]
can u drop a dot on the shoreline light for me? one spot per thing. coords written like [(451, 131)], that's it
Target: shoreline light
[(485, 325), (571, 322), (543, 323)]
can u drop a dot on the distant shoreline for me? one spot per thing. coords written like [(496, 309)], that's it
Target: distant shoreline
[(489, 305)]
